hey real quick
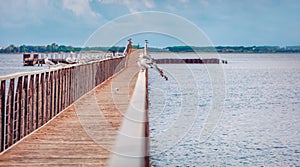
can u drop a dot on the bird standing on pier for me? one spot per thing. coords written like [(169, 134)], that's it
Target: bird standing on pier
[(48, 62)]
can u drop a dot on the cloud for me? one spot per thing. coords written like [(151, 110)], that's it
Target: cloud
[(79, 8), (132, 5), (18, 14)]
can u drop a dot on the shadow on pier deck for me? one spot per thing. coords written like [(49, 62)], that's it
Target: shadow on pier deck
[(85, 132)]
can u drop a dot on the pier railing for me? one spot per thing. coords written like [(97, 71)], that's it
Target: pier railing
[(29, 100)]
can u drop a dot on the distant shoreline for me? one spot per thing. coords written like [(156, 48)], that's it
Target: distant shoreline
[(165, 52), (54, 48)]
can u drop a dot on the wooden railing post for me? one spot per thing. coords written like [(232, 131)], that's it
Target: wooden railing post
[(2, 115), (9, 114), (24, 111), (30, 106)]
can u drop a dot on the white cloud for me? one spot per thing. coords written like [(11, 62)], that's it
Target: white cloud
[(80, 8), (18, 14), (22, 13), (132, 5), (149, 4)]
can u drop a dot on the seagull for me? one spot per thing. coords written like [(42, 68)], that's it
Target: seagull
[(143, 64), (70, 60), (48, 62), (145, 61), (61, 64)]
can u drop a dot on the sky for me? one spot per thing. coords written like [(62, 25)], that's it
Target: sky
[(224, 22)]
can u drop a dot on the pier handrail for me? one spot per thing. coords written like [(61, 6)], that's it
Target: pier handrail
[(130, 147), (16, 75)]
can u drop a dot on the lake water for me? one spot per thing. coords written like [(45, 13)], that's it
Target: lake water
[(250, 106)]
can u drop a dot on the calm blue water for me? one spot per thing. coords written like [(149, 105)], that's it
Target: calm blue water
[(253, 112)]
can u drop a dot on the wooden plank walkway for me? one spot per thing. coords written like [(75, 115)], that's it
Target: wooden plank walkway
[(83, 134)]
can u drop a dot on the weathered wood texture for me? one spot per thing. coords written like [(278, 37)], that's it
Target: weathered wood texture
[(33, 99), (84, 134)]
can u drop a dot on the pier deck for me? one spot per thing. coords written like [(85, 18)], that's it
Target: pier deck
[(84, 133)]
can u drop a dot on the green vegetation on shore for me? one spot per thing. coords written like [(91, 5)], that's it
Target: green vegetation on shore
[(221, 49)]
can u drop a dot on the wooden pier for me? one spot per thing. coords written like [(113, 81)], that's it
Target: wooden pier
[(72, 109), (72, 115)]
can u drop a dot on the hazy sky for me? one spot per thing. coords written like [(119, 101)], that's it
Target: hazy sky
[(224, 22)]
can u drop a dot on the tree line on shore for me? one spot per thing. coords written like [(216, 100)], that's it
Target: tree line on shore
[(221, 49), (57, 48)]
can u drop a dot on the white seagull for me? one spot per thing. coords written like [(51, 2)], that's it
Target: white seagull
[(145, 61), (48, 62), (70, 60)]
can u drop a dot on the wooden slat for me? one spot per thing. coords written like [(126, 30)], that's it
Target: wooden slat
[(63, 91), (80, 80), (9, 114), (75, 83), (86, 72), (58, 97), (24, 112), (54, 93), (42, 102), (46, 99), (18, 115), (59, 91), (72, 85), (30, 105), (37, 99), (67, 87), (2, 114), (51, 84), (102, 71)]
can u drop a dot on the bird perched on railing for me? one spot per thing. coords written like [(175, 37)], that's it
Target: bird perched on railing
[(48, 62), (145, 61), (70, 60)]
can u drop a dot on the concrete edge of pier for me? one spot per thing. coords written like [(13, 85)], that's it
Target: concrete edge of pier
[(130, 144)]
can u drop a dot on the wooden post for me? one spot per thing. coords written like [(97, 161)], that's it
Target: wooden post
[(42, 102), (75, 84), (46, 98), (71, 86), (24, 112), (37, 98), (31, 104), (60, 91), (63, 79), (51, 95), (9, 114), (54, 98), (2, 115), (18, 115), (67, 101), (102, 67), (58, 88)]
